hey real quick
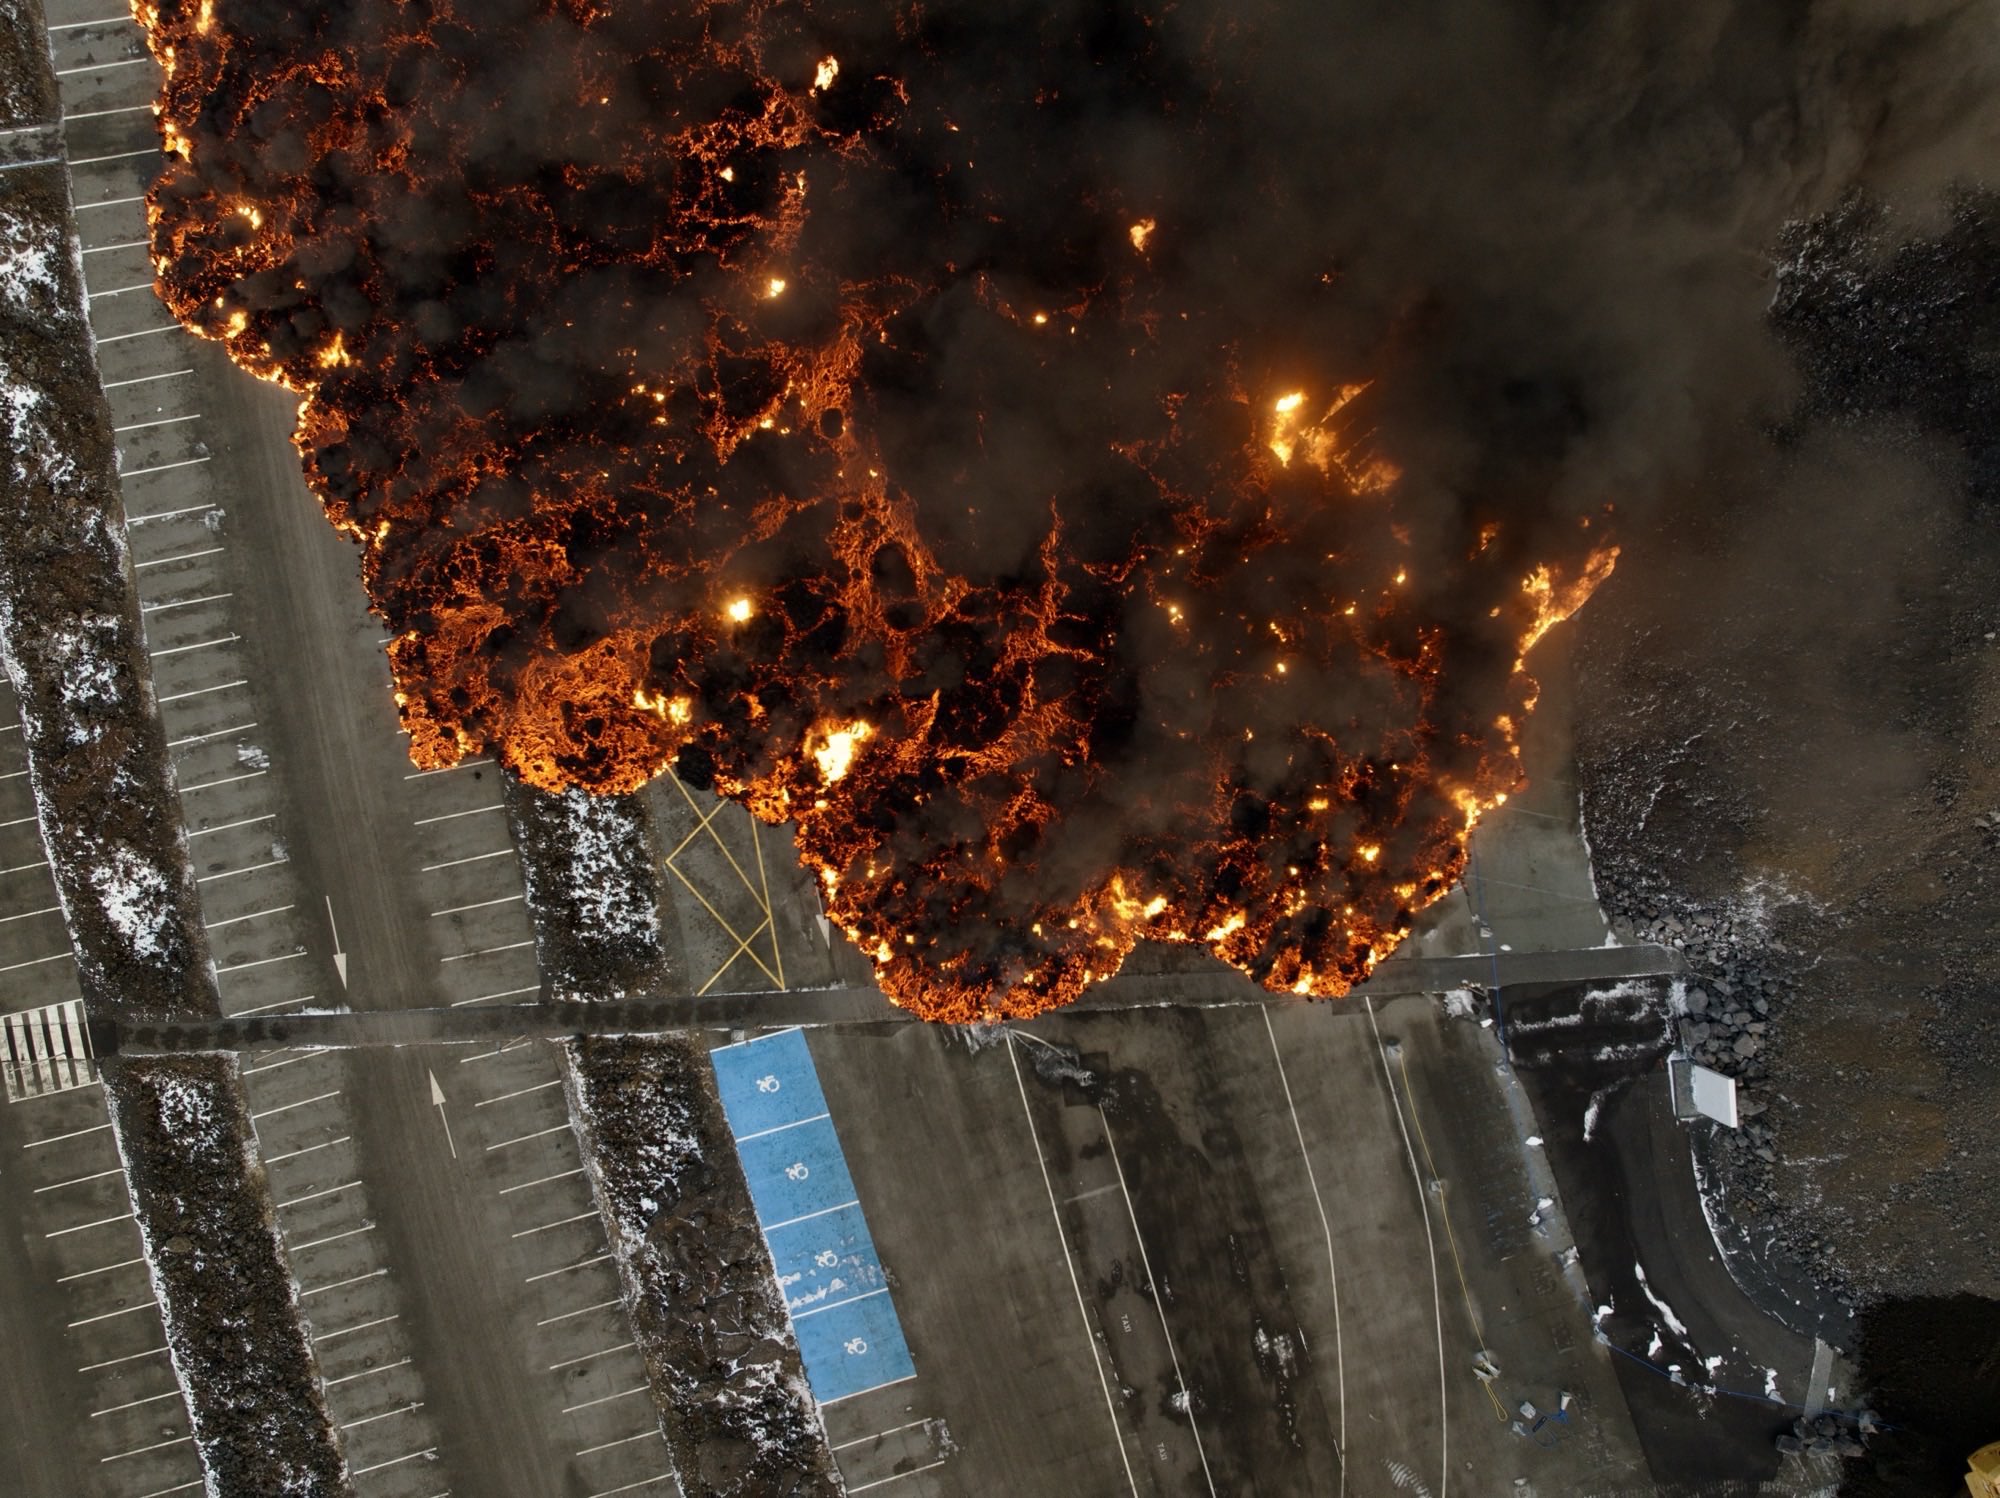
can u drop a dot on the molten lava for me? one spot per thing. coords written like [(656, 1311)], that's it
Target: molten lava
[(851, 409)]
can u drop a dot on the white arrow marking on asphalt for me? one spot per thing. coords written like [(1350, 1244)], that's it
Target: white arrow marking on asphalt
[(339, 957), (437, 1102)]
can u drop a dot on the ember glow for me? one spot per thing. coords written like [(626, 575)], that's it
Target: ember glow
[(788, 396)]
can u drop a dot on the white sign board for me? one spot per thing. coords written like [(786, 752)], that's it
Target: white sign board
[(1714, 1095)]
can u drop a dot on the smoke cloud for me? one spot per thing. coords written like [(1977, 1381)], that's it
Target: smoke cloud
[(1094, 466)]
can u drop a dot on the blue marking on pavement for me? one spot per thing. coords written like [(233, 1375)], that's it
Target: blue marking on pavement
[(826, 1263)]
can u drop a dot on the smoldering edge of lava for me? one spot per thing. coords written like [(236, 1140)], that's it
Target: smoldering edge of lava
[(528, 259)]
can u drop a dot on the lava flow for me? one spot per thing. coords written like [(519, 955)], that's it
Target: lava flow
[(939, 427)]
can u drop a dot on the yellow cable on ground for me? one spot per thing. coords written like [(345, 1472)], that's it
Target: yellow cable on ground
[(1444, 1211)]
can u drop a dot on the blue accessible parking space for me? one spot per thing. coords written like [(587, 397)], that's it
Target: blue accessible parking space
[(825, 1260)]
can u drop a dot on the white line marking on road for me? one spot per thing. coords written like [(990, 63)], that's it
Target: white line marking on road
[(142, 1450), (267, 1008), (1430, 1239), (172, 327), (42, 863), (82, 1227), (512, 1045), (464, 764), (520, 1092), (183, 603), (269, 863), (185, 556), (95, 1175), (809, 1216), (558, 1223), (432, 868), (348, 1378), (132, 520), (203, 692), (306, 1150), (524, 1138), (605, 1353), (100, 21), (274, 1065), (621, 1441), (172, 374), (561, 1175), (136, 473), (892, 1430), (128, 244), (454, 815), (133, 1404), (570, 1409), (834, 1305), (549, 1274), (1326, 1227), (373, 1274), (253, 915), (797, 1123), (117, 156), (313, 1196), (36, 962), (29, 914), (366, 1227), (882, 1482), (101, 67), (144, 1305), (753, 1040), (890, 1384), (163, 421), (185, 1487), (512, 946), (130, 1357), (84, 1274), (1062, 1237), (73, 1134), (198, 645), (479, 905), (209, 785), (506, 993), (395, 1461), (359, 1326), (232, 826), (566, 1315), (415, 1404), (213, 733), (261, 962)]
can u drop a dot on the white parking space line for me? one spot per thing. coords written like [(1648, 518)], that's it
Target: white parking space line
[(172, 374), (269, 863), (452, 816), (561, 1175), (84, 1274), (366, 1227), (82, 1227), (348, 1378), (519, 1092), (95, 1175), (373, 1274), (198, 645), (559, 1222), (549, 1274), (621, 1441), (101, 67), (464, 764), (892, 1430), (604, 1353), (512, 1045), (432, 868), (213, 733), (267, 1008), (479, 905), (313, 1196), (29, 914), (132, 520), (128, 244), (505, 993), (301, 1103), (114, 202), (76, 161), (203, 692), (798, 1123), (230, 826), (260, 962), (42, 863), (359, 1326), (570, 1409), (809, 1216), (133, 1404), (185, 556), (73, 1134), (307, 1150), (184, 603), (415, 1404), (882, 1482), (602, 1305), (135, 473), (172, 327), (130, 1357), (185, 1487), (144, 1305), (524, 1138), (512, 946), (36, 962), (100, 21), (239, 919), (142, 1450)]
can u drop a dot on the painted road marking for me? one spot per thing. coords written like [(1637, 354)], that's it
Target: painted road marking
[(821, 1252)]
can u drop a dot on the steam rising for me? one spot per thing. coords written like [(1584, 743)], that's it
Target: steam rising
[(1097, 468)]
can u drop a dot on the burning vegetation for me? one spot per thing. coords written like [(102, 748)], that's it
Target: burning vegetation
[(849, 408)]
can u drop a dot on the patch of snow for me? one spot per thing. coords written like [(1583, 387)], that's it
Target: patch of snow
[(1771, 1383), (1674, 1322), (1461, 1003), (136, 899), (1653, 1348)]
